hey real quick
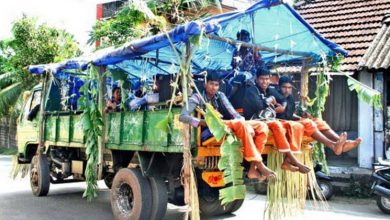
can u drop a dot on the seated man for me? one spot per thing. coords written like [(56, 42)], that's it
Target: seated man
[(257, 99), (253, 135), (113, 104), (239, 84), (315, 128)]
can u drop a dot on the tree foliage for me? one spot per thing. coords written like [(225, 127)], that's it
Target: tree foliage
[(131, 22), (31, 43)]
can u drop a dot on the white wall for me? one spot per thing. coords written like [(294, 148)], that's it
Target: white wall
[(378, 119), (366, 126)]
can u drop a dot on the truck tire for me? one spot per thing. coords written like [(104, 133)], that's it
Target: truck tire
[(108, 180), (131, 197), (383, 204), (210, 205), (40, 175), (160, 198), (234, 206)]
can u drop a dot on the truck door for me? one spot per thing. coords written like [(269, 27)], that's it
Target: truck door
[(27, 130)]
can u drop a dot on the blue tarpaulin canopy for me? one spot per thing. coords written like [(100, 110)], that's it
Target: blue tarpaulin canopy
[(273, 25)]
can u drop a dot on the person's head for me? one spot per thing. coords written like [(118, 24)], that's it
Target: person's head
[(212, 83), (263, 76), (286, 85), (116, 94), (243, 35)]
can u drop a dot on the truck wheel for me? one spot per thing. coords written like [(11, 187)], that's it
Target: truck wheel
[(160, 198), (326, 188), (234, 206), (131, 197), (383, 204), (40, 175), (108, 180), (210, 205)]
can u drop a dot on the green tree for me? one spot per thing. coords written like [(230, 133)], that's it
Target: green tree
[(131, 22), (31, 43)]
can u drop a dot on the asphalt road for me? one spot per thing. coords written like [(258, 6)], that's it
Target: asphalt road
[(65, 202)]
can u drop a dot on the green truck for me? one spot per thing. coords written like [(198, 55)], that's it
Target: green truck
[(141, 164)]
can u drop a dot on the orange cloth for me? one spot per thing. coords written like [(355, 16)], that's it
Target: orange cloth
[(309, 126), (321, 124), (313, 125), (251, 146), (294, 134), (279, 133)]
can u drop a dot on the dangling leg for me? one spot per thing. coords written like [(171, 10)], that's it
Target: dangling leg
[(250, 151), (283, 145), (260, 135)]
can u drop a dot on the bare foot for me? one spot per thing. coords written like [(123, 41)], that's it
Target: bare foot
[(288, 166), (301, 167), (254, 174), (349, 145), (338, 148), (265, 171)]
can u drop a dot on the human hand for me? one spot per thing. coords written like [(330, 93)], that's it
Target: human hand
[(279, 108), (202, 123)]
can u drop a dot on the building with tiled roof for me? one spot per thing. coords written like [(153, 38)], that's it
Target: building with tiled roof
[(352, 24), (362, 28)]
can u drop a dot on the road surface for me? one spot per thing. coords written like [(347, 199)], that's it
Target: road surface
[(65, 202)]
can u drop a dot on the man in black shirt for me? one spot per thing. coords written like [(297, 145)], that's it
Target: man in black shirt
[(313, 127), (262, 96)]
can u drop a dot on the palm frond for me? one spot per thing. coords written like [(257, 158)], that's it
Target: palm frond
[(366, 94), (9, 96), (6, 79)]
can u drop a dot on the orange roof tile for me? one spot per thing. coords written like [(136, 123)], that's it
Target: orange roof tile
[(353, 24)]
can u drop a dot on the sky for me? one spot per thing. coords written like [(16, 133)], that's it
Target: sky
[(75, 16)]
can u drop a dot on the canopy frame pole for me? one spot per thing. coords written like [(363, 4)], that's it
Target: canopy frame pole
[(42, 117), (259, 47)]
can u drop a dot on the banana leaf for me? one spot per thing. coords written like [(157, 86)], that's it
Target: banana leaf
[(215, 123), (365, 93), (165, 125)]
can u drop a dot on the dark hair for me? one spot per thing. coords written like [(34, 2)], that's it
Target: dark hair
[(262, 71), (284, 80), (115, 88), (243, 33), (212, 76)]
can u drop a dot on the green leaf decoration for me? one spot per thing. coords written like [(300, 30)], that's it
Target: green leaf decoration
[(336, 62), (214, 122), (230, 164), (197, 39), (232, 193), (118, 74), (92, 126), (365, 93), (165, 125)]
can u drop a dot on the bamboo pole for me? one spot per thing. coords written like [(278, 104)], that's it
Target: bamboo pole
[(101, 105), (259, 47), (189, 179), (304, 81)]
